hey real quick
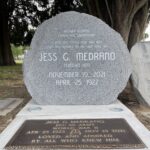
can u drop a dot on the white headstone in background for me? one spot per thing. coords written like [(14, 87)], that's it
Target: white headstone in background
[(141, 71), (76, 58)]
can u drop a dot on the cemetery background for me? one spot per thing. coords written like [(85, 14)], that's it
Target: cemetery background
[(11, 81)]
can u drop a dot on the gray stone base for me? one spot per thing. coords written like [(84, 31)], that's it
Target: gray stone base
[(118, 110)]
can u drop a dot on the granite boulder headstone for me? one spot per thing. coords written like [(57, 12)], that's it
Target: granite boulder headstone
[(76, 58)]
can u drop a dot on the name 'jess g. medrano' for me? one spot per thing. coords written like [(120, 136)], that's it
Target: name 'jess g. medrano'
[(79, 56)]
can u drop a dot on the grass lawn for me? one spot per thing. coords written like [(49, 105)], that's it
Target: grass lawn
[(12, 86), (11, 82)]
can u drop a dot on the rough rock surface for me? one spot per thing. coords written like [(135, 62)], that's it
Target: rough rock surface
[(141, 71), (76, 58)]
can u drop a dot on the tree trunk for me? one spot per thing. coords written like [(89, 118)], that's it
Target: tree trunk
[(128, 17), (138, 26), (6, 57)]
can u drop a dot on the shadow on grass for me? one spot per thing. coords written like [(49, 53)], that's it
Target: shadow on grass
[(11, 82)]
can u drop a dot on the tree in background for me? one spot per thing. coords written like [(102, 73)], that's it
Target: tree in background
[(19, 18), (128, 17)]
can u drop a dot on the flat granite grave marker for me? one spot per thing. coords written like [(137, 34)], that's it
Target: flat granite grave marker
[(76, 134), (76, 58)]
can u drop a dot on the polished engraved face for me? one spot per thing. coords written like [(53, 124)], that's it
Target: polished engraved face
[(76, 58), (75, 134)]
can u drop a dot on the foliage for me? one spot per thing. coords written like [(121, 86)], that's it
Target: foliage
[(24, 17), (18, 52), (128, 17), (125, 16)]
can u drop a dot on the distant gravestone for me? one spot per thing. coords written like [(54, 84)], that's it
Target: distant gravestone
[(76, 58), (141, 71)]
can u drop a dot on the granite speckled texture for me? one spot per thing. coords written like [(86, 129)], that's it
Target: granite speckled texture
[(76, 58), (141, 71)]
